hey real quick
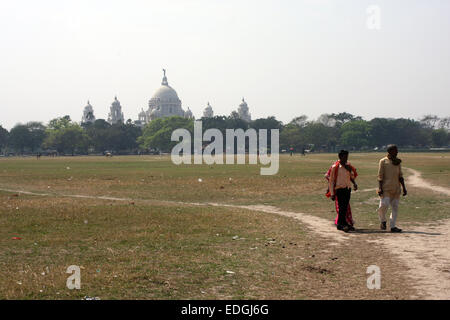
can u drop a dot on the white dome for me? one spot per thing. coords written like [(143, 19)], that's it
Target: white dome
[(165, 102), (166, 93), (155, 114)]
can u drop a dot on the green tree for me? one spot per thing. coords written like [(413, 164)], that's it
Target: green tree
[(59, 123), (440, 137), (37, 135), (66, 136), (444, 123), (216, 122), (343, 117), (355, 134), (157, 134), (430, 121), (98, 133), (300, 121), (266, 123), (408, 132), (123, 137), (4, 134), (381, 131), (292, 136), (235, 122), (20, 138), (321, 136)]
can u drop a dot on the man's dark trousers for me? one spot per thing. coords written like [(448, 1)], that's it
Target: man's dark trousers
[(343, 196)]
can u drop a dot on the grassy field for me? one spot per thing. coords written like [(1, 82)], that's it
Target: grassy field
[(145, 248)]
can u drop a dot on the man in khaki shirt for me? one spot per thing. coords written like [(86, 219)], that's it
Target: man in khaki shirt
[(391, 182)]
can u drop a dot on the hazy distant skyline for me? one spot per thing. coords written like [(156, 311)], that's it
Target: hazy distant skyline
[(287, 58)]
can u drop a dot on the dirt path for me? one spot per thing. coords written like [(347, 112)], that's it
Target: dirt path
[(416, 180), (323, 227), (424, 250)]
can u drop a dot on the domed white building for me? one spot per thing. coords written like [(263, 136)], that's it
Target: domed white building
[(188, 114), (115, 114), (165, 103), (243, 111), (208, 112), (88, 114), (142, 119)]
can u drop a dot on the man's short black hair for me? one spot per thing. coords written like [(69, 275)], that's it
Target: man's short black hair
[(391, 147), (342, 153)]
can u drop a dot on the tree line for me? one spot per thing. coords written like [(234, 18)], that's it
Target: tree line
[(327, 133)]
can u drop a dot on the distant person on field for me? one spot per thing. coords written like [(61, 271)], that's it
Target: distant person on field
[(341, 176), (390, 183)]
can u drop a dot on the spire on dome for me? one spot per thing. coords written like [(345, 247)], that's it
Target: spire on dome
[(164, 80)]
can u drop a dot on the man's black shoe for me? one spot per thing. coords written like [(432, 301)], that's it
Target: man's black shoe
[(346, 229), (351, 228), (383, 225), (395, 229)]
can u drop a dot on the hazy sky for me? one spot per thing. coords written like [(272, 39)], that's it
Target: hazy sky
[(287, 58)]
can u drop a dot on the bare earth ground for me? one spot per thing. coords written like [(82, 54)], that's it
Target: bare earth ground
[(424, 251)]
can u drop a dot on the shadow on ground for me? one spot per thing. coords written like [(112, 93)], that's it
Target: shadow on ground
[(370, 231)]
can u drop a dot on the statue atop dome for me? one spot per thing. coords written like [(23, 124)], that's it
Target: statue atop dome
[(164, 80)]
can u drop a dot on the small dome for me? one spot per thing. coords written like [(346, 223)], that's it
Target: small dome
[(155, 114), (88, 107)]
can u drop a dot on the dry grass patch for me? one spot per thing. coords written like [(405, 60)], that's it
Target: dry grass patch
[(139, 251)]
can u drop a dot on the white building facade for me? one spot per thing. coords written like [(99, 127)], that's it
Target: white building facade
[(165, 103), (115, 114), (88, 114), (243, 111)]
